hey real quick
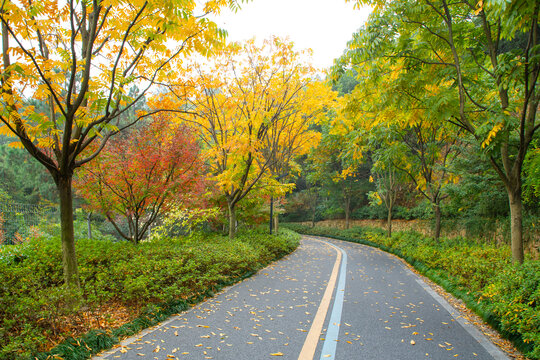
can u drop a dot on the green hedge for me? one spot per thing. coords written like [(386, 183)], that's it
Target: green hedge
[(160, 277), (506, 295)]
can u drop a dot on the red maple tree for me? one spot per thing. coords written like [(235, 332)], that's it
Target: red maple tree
[(141, 174)]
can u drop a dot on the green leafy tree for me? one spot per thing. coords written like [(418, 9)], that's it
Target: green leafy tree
[(342, 177), (428, 149), (481, 61), (388, 184)]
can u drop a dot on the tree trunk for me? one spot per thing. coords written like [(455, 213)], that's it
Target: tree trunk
[(271, 213), (89, 225), (516, 223), (389, 220), (276, 223), (136, 231), (347, 212), (232, 221), (69, 257), (437, 209)]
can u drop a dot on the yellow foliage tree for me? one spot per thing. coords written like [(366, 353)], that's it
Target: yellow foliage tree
[(79, 61), (254, 106)]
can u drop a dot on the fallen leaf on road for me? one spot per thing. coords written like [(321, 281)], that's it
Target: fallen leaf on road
[(277, 354)]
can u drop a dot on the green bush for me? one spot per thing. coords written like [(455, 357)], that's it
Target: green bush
[(505, 295), (35, 301), (514, 297)]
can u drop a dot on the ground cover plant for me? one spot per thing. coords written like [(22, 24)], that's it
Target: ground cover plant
[(506, 295), (124, 287)]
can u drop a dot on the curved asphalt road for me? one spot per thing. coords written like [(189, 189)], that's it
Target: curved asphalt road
[(328, 300)]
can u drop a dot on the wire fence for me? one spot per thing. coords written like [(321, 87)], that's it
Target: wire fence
[(19, 221)]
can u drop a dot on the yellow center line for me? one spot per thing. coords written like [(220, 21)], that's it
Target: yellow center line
[(312, 339)]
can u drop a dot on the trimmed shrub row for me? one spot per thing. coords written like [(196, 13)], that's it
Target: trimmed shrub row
[(505, 295)]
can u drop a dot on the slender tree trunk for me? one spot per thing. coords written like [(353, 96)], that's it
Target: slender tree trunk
[(136, 231), (276, 223), (389, 220), (347, 212), (69, 257), (437, 209), (516, 223), (89, 225), (271, 213), (232, 220)]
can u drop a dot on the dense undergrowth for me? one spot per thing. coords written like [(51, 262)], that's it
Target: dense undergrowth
[(506, 295), (151, 281)]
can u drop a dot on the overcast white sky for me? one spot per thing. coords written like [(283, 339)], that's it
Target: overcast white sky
[(325, 26)]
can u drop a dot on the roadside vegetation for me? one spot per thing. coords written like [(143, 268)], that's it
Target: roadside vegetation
[(505, 295), (124, 287)]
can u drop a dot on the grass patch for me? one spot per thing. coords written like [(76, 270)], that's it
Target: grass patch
[(124, 287), (505, 295)]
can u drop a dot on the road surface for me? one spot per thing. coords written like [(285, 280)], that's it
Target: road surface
[(327, 300)]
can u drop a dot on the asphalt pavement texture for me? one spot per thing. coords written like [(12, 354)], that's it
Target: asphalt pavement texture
[(379, 310)]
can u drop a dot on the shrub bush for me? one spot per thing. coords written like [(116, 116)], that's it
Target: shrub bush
[(36, 306)]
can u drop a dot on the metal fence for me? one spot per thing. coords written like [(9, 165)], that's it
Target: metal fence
[(17, 221)]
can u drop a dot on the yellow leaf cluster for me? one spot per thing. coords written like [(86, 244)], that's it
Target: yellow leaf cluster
[(491, 135)]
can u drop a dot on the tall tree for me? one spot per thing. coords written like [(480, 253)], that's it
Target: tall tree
[(336, 171), (253, 106), (81, 58), (428, 150), (388, 184), (484, 57)]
